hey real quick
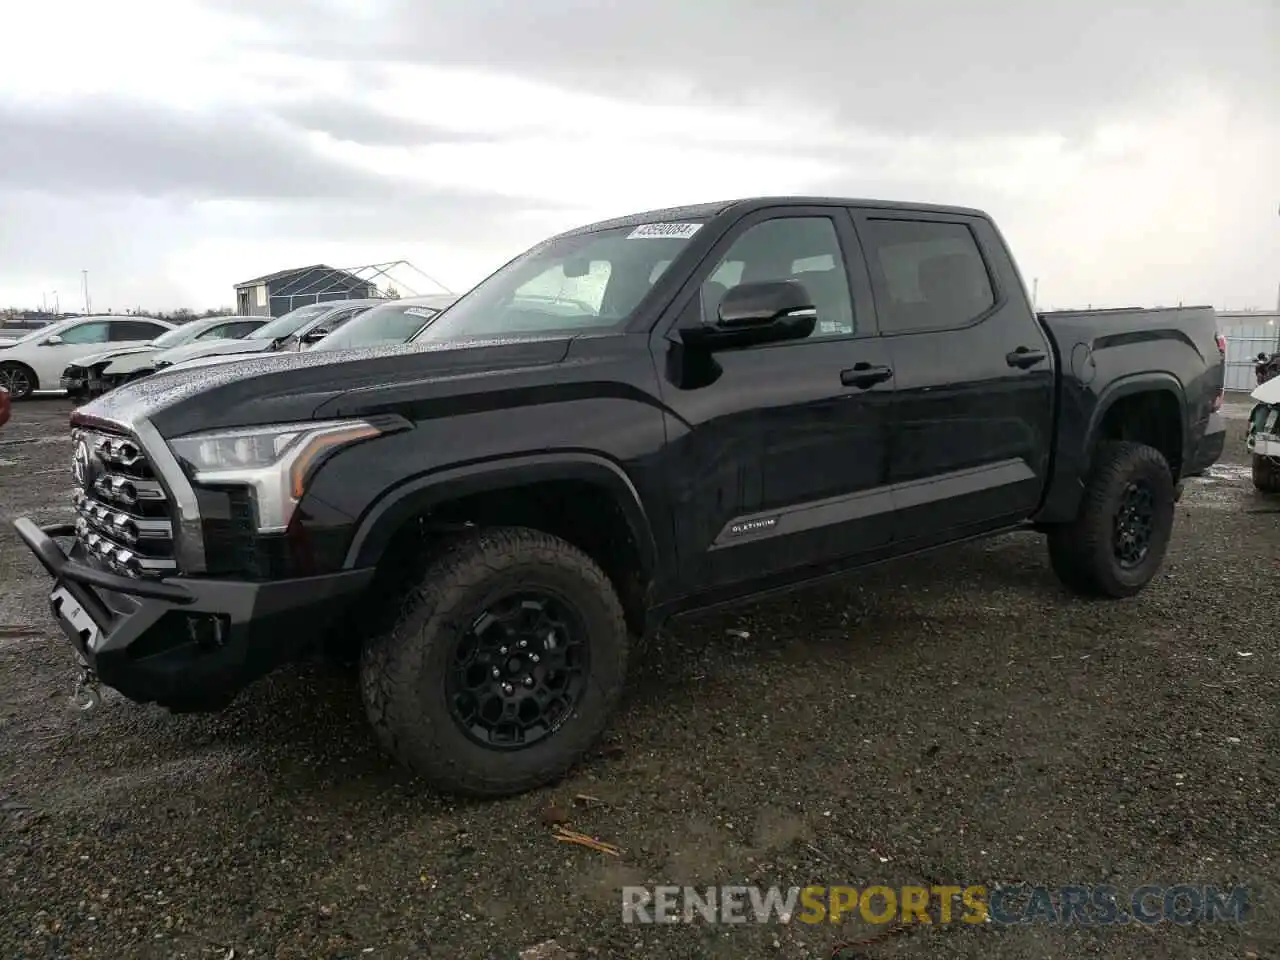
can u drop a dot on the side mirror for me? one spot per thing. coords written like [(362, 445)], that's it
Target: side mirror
[(757, 313), (52, 341), (315, 336)]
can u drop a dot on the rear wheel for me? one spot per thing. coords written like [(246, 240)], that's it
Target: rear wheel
[(19, 379), (503, 666), (1117, 542), (1266, 473)]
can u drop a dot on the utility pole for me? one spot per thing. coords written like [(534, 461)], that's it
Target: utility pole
[(1035, 293), (84, 274)]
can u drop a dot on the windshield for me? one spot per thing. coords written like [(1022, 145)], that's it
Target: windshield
[(592, 281), (390, 323), (284, 325), (179, 335)]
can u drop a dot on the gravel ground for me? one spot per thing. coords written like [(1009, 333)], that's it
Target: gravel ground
[(952, 720)]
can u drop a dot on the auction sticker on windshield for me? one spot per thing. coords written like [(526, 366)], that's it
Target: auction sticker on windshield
[(426, 313), (664, 231)]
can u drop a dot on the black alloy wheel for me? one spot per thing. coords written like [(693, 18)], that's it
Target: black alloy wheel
[(519, 671), (1134, 524)]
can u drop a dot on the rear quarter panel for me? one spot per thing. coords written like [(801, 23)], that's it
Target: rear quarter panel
[(1105, 355)]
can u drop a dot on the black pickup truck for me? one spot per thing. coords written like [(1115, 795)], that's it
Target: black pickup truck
[(632, 420)]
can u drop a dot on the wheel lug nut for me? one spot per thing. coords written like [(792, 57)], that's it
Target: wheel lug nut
[(496, 673), (503, 651), (533, 657), (508, 689), (528, 681), (523, 644)]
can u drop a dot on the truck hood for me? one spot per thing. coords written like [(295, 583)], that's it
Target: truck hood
[(1268, 392), (293, 387), (212, 348), (107, 355)]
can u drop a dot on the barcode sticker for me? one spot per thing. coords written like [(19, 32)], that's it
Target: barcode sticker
[(664, 231)]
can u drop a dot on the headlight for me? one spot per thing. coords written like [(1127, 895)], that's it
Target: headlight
[(274, 461)]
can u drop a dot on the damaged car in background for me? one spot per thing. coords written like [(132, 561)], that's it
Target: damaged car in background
[(633, 420), (274, 335), (35, 361), (396, 321), (1263, 440), (95, 374)]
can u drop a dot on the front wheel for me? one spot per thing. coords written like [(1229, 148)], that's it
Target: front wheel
[(503, 667), (1266, 473), (18, 379), (1117, 542)]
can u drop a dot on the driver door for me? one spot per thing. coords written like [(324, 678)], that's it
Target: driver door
[(778, 461)]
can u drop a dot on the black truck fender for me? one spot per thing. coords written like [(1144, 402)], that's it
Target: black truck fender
[(1074, 454), (396, 506), (1147, 382)]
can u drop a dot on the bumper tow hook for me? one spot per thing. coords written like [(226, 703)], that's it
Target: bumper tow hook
[(86, 696)]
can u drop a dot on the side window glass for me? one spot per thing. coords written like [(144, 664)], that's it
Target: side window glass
[(86, 333), (933, 274), (805, 249), (131, 330)]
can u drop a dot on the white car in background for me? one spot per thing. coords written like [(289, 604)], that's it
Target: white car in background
[(97, 373), (392, 321), (36, 361), (270, 336)]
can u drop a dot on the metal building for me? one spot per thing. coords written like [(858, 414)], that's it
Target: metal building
[(275, 294), (1248, 333)]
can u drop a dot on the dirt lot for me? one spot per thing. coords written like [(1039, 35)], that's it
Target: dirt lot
[(956, 720)]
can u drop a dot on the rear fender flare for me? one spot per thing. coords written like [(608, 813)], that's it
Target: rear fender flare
[(1126, 387), (396, 506)]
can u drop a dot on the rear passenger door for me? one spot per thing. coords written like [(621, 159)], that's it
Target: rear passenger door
[(973, 408), (777, 457)]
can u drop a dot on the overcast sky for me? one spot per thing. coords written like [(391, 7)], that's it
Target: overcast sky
[(1130, 152)]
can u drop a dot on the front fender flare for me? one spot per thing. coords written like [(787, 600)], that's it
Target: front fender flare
[(397, 505)]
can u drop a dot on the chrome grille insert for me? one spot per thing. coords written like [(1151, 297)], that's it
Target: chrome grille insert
[(123, 516)]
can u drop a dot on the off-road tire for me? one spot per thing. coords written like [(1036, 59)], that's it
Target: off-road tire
[(33, 382), (1082, 552), (402, 667), (1266, 473)]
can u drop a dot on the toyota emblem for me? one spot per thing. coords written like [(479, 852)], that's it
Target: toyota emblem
[(80, 465)]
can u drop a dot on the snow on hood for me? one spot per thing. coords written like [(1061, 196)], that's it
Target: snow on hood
[(1268, 392)]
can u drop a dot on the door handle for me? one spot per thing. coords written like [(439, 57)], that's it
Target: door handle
[(1024, 357), (863, 375)]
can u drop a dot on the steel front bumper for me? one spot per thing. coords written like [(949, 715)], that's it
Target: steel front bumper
[(183, 643)]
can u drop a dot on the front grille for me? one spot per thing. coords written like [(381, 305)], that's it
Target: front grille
[(123, 517)]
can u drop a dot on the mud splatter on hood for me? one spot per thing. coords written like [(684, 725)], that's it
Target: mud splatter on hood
[(290, 386)]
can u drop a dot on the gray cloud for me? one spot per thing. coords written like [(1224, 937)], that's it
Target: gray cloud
[(360, 122), (924, 67), (110, 146)]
